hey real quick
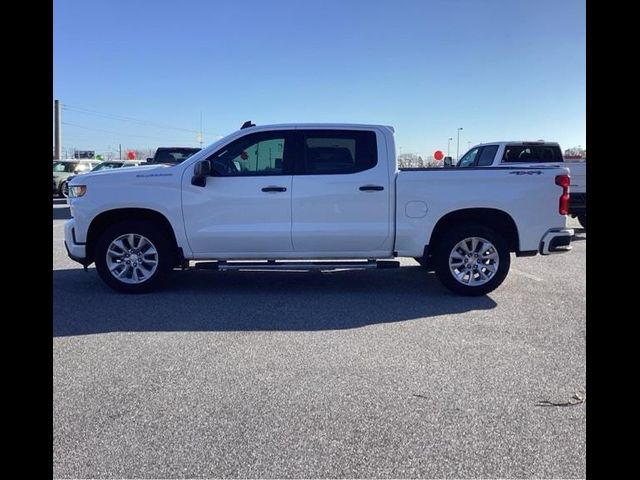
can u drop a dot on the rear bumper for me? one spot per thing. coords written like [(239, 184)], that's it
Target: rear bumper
[(556, 241)]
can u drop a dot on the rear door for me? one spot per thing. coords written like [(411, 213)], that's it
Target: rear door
[(341, 194)]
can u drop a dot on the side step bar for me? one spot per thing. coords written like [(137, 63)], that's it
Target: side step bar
[(296, 265)]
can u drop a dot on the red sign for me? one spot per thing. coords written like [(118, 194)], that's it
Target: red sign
[(438, 155), (131, 155)]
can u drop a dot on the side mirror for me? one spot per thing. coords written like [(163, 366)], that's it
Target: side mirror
[(201, 171), (149, 160), (447, 161)]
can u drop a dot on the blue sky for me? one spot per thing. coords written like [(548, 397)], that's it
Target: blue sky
[(500, 69)]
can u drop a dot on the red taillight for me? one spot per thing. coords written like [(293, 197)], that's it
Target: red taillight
[(563, 181)]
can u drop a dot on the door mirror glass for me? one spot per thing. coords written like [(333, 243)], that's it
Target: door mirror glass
[(202, 168), (201, 171)]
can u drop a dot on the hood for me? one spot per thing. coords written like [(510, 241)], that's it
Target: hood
[(123, 172)]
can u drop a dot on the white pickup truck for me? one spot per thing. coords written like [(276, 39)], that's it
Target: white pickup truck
[(496, 154), (313, 196)]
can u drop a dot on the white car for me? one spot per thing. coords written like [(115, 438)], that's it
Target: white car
[(63, 169), (105, 165), (313, 196)]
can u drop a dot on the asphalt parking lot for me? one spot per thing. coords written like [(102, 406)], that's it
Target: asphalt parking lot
[(349, 374)]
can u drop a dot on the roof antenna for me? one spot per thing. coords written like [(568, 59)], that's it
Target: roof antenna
[(247, 124)]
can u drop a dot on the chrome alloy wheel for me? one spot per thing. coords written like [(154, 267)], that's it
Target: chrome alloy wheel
[(132, 258), (474, 261)]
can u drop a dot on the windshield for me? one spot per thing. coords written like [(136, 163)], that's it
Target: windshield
[(65, 166)]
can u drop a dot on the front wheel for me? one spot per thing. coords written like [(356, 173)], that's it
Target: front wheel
[(134, 256), (471, 260)]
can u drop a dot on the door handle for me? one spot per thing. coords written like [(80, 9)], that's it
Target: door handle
[(274, 189), (371, 188)]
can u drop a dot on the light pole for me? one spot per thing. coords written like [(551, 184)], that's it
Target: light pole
[(458, 146), (448, 143)]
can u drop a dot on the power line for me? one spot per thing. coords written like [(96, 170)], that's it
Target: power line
[(87, 111), (123, 118), (111, 131)]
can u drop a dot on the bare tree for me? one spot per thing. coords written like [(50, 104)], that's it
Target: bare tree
[(144, 153), (575, 152)]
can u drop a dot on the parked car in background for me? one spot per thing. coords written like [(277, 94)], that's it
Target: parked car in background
[(108, 165), (507, 154), (172, 155), (63, 169)]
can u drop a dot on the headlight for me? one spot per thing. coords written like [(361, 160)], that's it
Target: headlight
[(76, 191)]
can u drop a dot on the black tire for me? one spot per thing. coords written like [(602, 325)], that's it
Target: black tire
[(582, 218), (165, 257), (448, 241), (64, 189)]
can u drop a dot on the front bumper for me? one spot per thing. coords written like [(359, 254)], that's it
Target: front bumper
[(76, 251), (556, 241)]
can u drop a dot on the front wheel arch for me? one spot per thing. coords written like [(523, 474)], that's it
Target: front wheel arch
[(110, 217)]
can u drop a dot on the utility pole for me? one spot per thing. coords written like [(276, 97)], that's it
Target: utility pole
[(458, 146), (58, 132), (448, 145), (200, 134), (120, 149)]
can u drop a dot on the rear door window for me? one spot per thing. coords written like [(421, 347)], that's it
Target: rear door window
[(329, 152)]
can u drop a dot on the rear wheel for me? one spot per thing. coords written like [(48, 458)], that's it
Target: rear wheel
[(582, 218), (64, 189), (471, 260), (134, 256)]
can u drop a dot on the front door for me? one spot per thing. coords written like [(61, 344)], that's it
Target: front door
[(244, 209)]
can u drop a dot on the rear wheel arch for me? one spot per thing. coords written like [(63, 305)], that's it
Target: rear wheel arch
[(497, 220)]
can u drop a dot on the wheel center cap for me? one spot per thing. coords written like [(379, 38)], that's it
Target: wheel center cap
[(134, 258)]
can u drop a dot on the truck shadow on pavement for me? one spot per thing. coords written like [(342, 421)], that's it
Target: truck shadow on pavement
[(254, 301)]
